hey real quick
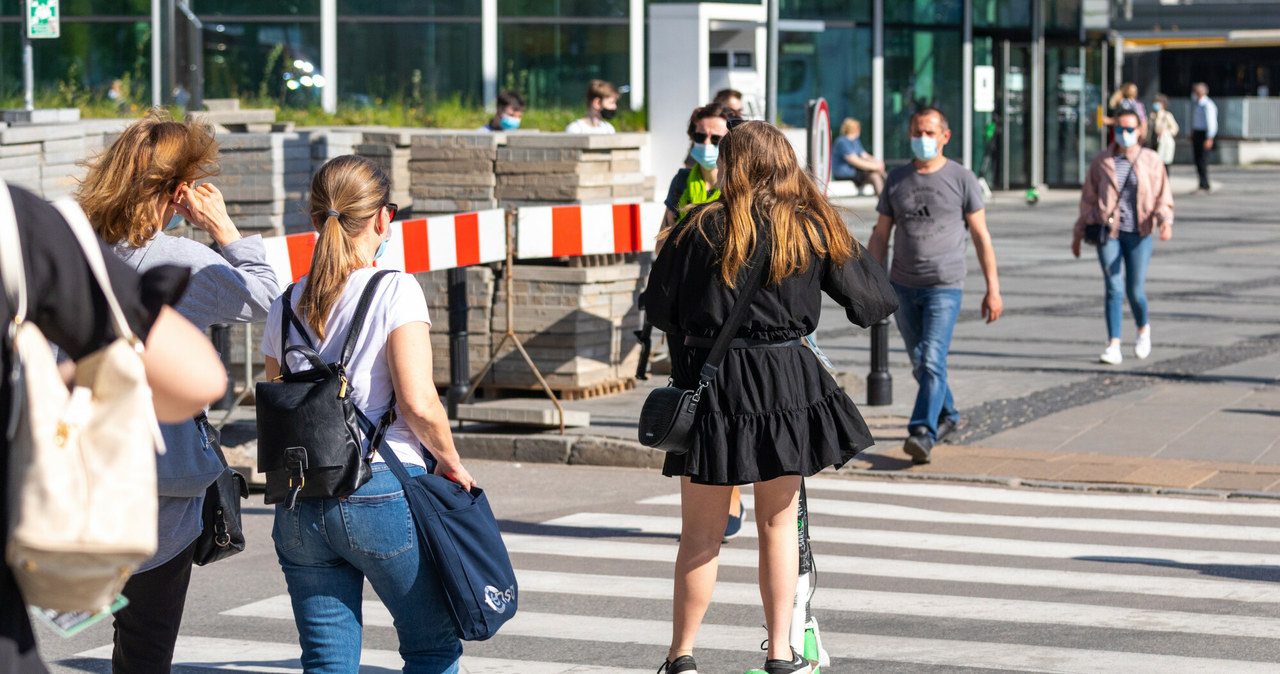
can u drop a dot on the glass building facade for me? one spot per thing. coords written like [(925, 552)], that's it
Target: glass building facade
[(873, 60)]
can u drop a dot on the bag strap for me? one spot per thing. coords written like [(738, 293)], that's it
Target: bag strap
[(12, 268), (89, 243), (203, 425), (357, 321), (758, 267), (288, 318)]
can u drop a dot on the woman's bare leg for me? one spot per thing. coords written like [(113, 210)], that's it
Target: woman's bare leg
[(704, 512), (775, 512)]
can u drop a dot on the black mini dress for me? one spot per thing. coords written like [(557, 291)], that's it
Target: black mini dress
[(773, 409)]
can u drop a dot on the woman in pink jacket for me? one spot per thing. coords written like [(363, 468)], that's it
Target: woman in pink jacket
[(1127, 192)]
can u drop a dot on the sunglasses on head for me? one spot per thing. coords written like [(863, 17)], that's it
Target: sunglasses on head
[(735, 123), (1126, 129), (391, 211), (700, 138)]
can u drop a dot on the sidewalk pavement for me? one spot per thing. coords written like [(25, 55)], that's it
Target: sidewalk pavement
[(1201, 414)]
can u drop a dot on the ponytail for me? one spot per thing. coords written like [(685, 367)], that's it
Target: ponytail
[(355, 189)]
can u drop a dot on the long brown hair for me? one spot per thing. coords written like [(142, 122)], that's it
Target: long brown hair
[(148, 161), (356, 189), (761, 175)]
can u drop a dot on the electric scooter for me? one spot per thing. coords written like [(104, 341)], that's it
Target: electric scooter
[(806, 639)]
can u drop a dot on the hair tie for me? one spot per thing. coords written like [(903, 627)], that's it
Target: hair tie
[(333, 213)]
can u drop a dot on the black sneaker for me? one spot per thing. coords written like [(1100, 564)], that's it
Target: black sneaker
[(683, 665), (918, 446), (945, 428), (734, 526), (797, 665)]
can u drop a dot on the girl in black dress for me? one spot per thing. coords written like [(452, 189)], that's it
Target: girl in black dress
[(773, 414)]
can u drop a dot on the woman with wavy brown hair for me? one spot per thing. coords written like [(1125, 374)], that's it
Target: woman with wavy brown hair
[(773, 414), (140, 187)]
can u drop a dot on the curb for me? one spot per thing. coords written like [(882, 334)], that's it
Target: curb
[(594, 450)]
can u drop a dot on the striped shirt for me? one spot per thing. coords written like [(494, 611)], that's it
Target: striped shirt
[(1128, 182)]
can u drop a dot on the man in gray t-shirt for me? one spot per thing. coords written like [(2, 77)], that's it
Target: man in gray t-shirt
[(932, 201)]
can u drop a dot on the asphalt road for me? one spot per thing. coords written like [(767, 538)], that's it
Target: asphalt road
[(913, 577)]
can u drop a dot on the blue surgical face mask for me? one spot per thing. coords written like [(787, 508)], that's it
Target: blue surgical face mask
[(174, 223), (1127, 138), (382, 247), (510, 123), (1158, 106), (924, 148), (706, 155)]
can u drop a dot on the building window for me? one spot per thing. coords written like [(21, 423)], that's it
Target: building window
[(263, 60), (552, 63), (921, 68), (413, 63)]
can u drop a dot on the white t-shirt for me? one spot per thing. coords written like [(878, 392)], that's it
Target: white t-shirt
[(398, 301), (583, 126)]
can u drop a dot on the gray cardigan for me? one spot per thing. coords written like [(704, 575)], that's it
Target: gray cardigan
[(237, 286)]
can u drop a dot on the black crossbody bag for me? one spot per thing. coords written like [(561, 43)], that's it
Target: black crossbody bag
[(309, 438), (223, 533), (666, 420)]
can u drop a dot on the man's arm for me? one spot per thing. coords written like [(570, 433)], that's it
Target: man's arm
[(992, 305), (1210, 124), (878, 244)]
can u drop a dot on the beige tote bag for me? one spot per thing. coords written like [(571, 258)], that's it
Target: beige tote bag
[(83, 470)]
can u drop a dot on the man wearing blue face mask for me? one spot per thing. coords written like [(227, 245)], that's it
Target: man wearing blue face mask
[(509, 111), (932, 201)]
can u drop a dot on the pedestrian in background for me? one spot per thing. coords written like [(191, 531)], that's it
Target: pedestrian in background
[(1204, 129), (328, 547), (1164, 126), (1126, 191), (602, 106), (772, 415), (1124, 99), (732, 99), (932, 201), (507, 115), (141, 187), (851, 161), (182, 368)]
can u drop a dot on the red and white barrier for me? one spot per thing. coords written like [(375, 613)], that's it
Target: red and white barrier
[(560, 231), (425, 244)]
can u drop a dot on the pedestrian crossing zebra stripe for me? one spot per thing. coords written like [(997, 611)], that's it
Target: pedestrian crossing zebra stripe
[(657, 633), (1053, 499), (1189, 588), (884, 511), (1017, 547), (280, 658)]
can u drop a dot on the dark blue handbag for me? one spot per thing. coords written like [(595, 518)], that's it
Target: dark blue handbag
[(460, 535)]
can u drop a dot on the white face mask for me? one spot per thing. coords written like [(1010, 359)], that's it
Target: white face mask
[(1127, 138)]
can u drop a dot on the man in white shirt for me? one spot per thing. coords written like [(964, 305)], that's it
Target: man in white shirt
[(602, 106), (1204, 128)]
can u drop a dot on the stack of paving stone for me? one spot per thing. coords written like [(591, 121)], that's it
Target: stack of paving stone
[(435, 285), (563, 168), (390, 150), (46, 158), (264, 179), (453, 172)]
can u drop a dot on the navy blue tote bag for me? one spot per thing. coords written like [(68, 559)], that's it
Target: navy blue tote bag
[(460, 534)]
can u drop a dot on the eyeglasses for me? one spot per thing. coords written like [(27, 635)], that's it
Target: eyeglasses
[(1126, 129), (700, 138), (391, 211)]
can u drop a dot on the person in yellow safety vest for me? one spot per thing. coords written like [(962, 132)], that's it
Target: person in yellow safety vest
[(699, 184)]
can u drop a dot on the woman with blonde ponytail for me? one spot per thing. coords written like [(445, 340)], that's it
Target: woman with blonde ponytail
[(328, 547)]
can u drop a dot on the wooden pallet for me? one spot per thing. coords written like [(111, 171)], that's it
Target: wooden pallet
[(564, 393)]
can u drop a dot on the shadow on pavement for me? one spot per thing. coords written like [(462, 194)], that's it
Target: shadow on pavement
[(536, 529), (1270, 574)]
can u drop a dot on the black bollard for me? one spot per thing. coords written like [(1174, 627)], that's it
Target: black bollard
[(459, 365), (879, 381), (220, 335)]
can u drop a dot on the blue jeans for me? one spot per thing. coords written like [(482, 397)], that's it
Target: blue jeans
[(1135, 250), (327, 547), (926, 318)]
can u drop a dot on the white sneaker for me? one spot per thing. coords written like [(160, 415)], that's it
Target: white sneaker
[(1112, 355), (1142, 348)]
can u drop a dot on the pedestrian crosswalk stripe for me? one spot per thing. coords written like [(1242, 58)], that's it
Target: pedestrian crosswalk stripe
[(1189, 588), (920, 605), (1059, 499), (625, 525), (272, 658), (657, 633), (884, 511)]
